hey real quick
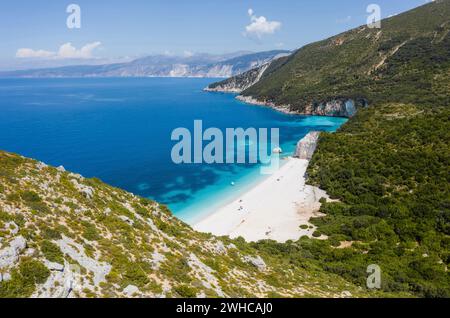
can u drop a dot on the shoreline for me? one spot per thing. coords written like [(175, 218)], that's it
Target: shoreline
[(274, 208), (281, 108)]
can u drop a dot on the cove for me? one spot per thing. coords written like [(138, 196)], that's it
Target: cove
[(119, 130)]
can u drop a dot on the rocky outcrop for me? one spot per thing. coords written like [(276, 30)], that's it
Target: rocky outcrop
[(65, 281), (76, 251), (334, 108), (131, 290), (239, 83), (9, 256), (251, 100), (256, 261), (307, 145), (85, 190), (205, 274)]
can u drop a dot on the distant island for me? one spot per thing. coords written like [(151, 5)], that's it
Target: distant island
[(196, 65)]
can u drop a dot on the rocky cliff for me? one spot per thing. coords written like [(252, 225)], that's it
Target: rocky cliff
[(307, 145), (334, 108), (239, 83)]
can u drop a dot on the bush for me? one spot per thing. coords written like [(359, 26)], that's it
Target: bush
[(51, 234), (185, 291), (135, 275), (30, 196), (90, 232), (24, 279), (52, 252)]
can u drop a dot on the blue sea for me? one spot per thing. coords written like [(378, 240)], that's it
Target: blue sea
[(119, 130)]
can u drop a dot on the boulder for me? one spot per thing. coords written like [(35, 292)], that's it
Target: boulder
[(85, 190), (4, 277), (130, 290), (256, 261)]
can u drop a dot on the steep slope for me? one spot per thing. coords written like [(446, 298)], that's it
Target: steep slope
[(388, 167), (363, 66), (197, 65), (241, 82), (62, 235)]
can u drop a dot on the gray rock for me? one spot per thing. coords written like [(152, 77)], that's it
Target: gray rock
[(205, 274), (231, 246), (85, 190), (341, 108), (306, 146), (13, 228), (4, 277), (256, 261), (10, 255), (61, 169), (131, 290), (41, 165), (76, 252), (54, 266), (29, 252), (126, 219), (240, 82), (220, 248), (346, 294), (76, 176), (157, 259)]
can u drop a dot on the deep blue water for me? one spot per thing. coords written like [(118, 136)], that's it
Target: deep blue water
[(119, 130)]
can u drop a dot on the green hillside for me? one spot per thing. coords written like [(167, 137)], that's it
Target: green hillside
[(407, 60), (389, 166), (62, 235)]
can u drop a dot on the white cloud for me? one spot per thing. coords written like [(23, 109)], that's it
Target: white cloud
[(29, 53), (260, 26), (188, 54), (66, 51)]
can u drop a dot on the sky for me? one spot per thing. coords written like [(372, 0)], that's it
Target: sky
[(36, 31)]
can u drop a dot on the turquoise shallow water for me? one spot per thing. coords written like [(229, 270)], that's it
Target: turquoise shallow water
[(119, 131)]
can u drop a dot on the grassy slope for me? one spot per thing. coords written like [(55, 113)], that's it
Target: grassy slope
[(389, 165), (114, 227)]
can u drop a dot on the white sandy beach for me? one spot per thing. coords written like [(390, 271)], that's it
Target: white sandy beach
[(273, 209)]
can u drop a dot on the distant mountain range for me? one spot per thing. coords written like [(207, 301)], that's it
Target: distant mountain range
[(197, 65)]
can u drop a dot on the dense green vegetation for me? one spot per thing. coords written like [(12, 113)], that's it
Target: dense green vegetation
[(397, 63), (24, 279), (390, 169), (389, 166)]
